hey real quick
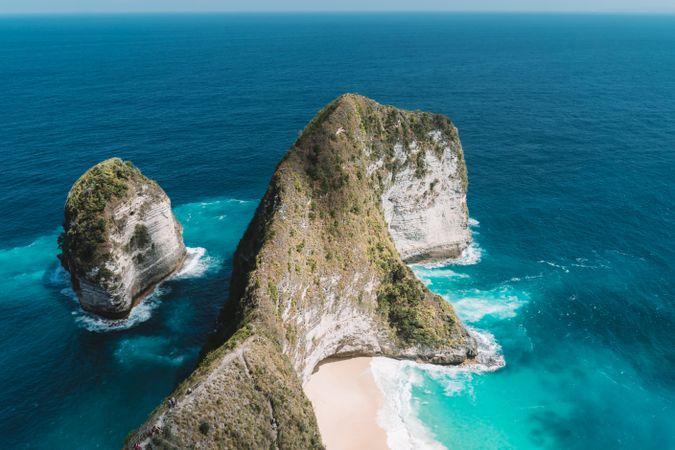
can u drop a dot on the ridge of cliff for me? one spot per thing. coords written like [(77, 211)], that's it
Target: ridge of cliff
[(320, 273)]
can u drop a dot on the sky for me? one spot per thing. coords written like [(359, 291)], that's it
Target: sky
[(98, 6)]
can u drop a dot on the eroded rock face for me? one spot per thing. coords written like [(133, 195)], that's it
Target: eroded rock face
[(120, 238), (424, 203), (319, 273)]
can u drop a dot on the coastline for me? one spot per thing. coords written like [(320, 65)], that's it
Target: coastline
[(346, 402)]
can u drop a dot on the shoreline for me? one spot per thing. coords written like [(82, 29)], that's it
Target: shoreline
[(346, 401)]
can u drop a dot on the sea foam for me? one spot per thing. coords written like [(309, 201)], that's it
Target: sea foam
[(396, 380), (196, 265), (139, 314), (500, 303), (396, 416), (428, 274), (469, 256)]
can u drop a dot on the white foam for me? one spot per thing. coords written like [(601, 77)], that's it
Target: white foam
[(489, 357), (197, 264), (139, 314), (473, 222), (218, 202), (557, 266), (396, 379), (501, 303), (585, 264), (427, 274), (526, 277), (68, 292), (470, 256)]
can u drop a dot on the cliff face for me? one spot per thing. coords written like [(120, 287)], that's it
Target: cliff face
[(319, 274), (424, 200), (120, 238)]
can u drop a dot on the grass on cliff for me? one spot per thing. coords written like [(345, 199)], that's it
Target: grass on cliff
[(85, 222), (262, 407), (324, 182), (319, 223), (321, 220)]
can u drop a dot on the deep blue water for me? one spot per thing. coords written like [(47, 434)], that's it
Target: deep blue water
[(568, 126)]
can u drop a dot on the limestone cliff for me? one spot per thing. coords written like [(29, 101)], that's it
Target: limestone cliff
[(120, 238), (424, 201), (319, 274)]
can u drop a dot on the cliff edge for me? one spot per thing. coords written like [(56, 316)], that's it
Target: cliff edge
[(120, 238), (320, 273)]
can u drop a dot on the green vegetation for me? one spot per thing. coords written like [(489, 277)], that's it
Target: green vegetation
[(86, 218), (141, 237), (257, 402), (204, 427), (318, 233), (399, 298)]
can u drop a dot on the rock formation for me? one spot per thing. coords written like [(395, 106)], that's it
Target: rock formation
[(424, 201), (120, 238), (319, 274)]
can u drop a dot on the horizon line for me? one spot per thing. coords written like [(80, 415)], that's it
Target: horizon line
[(374, 11)]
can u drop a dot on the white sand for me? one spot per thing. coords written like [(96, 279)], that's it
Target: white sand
[(346, 401)]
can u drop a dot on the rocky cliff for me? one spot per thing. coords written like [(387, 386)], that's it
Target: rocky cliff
[(319, 274), (120, 238)]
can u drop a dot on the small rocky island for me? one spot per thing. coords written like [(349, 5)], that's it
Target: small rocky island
[(321, 273), (120, 238)]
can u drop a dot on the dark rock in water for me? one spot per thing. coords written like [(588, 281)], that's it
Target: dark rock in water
[(120, 238)]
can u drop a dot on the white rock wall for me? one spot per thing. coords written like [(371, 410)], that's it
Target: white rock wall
[(137, 269), (427, 215)]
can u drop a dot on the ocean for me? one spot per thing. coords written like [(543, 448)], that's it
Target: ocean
[(568, 127)]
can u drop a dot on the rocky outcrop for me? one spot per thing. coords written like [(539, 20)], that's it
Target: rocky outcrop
[(424, 202), (120, 238), (319, 274)]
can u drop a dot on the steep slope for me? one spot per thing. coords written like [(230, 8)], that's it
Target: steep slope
[(319, 274), (120, 237)]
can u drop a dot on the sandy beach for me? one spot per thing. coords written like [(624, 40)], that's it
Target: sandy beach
[(346, 400)]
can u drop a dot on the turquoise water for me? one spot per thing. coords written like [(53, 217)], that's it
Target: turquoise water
[(83, 382), (567, 124), (574, 376)]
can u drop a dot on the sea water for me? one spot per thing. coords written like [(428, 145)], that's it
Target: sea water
[(567, 125)]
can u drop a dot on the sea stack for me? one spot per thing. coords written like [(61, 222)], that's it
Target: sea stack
[(320, 273), (120, 238)]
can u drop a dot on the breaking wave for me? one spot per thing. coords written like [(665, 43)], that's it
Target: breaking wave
[(197, 264), (139, 314), (501, 303), (396, 380), (428, 274), (470, 256)]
